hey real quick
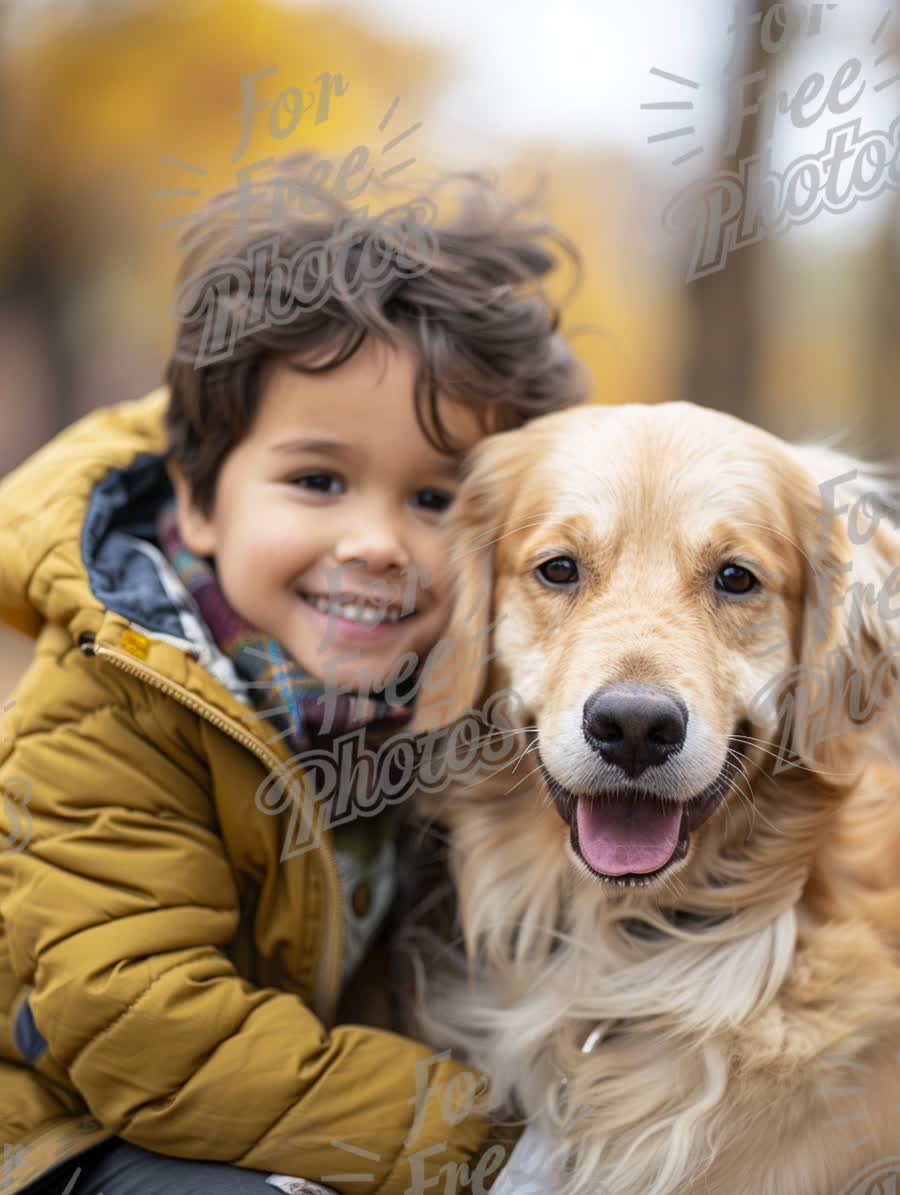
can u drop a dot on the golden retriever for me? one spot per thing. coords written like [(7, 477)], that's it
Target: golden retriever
[(695, 857)]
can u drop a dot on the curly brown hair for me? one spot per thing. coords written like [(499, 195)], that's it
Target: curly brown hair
[(464, 295)]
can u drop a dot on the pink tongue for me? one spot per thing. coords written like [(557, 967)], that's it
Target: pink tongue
[(618, 835)]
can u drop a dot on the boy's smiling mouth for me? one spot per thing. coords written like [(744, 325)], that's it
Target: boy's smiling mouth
[(357, 610)]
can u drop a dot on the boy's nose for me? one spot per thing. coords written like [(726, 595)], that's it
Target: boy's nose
[(378, 552)]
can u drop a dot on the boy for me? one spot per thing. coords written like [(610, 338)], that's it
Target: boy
[(218, 576)]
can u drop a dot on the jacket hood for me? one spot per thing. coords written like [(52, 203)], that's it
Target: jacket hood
[(79, 543)]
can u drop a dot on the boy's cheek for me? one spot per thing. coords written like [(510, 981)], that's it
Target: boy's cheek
[(436, 622), (436, 582)]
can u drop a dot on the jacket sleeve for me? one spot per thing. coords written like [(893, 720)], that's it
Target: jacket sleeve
[(118, 913)]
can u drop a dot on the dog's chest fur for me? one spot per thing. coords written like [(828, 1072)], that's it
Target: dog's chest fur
[(774, 1053)]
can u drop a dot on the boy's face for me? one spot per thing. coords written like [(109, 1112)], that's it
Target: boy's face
[(334, 496)]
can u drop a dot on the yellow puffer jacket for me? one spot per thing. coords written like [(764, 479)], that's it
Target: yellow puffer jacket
[(164, 975)]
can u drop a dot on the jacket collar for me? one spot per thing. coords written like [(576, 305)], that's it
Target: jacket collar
[(129, 574)]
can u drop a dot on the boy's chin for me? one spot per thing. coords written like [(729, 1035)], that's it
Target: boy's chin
[(361, 667), (370, 672), (353, 661)]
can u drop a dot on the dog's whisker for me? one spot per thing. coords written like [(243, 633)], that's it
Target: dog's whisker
[(508, 529), (767, 749), (740, 766), (752, 803), (528, 775), (531, 747), (747, 798)]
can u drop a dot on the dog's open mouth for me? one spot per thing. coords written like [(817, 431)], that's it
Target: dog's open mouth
[(632, 839), (624, 837)]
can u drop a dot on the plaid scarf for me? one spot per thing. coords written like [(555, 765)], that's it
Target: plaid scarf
[(296, 703)]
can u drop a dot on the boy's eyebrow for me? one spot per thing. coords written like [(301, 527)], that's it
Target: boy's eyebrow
[(448, 467), (334, 447)]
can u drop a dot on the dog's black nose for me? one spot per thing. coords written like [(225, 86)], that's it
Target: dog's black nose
[(634, 726)]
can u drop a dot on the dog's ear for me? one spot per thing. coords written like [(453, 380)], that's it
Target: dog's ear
[(454, 673), (850, 637)]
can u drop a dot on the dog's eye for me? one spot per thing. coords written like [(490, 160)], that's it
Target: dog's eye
[(561, 570), (733, 578)]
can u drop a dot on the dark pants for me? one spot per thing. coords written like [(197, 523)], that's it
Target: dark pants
[(116, 1168)]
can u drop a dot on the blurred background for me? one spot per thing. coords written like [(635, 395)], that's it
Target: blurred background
[(682, 146)]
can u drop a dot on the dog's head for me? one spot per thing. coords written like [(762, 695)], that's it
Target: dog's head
[(680, 601)]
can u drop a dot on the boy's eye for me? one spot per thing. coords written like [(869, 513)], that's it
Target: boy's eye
[(433, 500), (320, 482)]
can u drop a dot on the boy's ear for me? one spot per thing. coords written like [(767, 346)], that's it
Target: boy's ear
[(196, 529), (850, 639), (454, 673)]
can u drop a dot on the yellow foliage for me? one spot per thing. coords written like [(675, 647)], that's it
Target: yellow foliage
[(106, 109)]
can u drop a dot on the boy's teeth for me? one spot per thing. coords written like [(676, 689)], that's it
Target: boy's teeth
[(354, 611)]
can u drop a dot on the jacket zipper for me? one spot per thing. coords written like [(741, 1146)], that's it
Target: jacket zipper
[(328, 979)]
